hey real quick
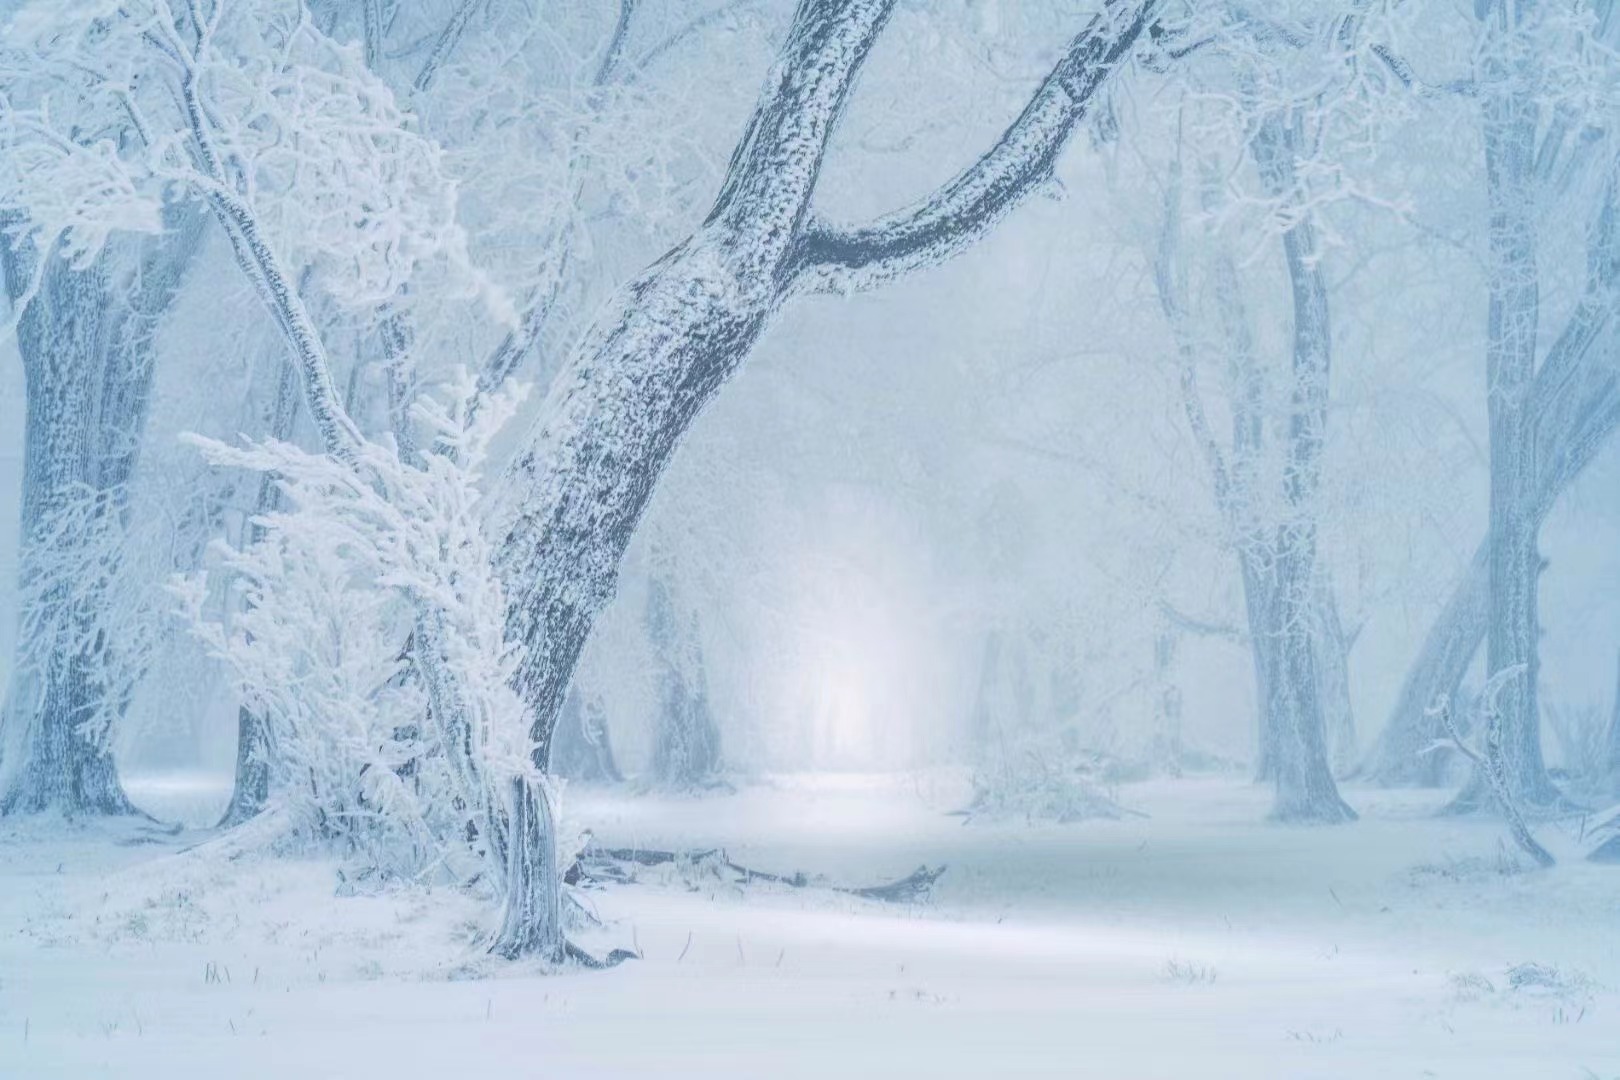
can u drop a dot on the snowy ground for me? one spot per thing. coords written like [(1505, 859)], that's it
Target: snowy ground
[(1195, 942)]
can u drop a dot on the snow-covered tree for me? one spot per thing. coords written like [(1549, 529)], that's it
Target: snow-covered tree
[(368, 637), (673, 336), (1267, 112), (86, 324), (1544, 82)]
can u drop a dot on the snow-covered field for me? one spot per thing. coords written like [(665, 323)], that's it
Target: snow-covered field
[(1194, 942)]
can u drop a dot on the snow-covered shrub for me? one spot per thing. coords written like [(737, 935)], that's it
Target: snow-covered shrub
[(340, 595), (1046, 776)]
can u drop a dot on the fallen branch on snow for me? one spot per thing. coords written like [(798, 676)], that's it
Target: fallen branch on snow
[(596, 864)]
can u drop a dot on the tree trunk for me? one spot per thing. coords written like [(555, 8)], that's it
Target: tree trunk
[(1269, 554), (250, 789), (1612, 743), (531, 923), (582, 749), (1264, 636), (59, 337), (1333, 676), (1513, 559), (86, 342), (1306, 791), (1167, 746), (686, 749), (1305, 787)]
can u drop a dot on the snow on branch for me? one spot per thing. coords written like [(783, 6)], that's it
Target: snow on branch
[(776, 163), (832, 259), (1489, 760), (75, 192), (410, 762), (108, 112)]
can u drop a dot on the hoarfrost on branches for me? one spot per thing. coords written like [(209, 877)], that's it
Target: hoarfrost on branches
[(331, 592)]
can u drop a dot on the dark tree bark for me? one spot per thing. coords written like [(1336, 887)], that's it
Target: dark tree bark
[(531, 924)]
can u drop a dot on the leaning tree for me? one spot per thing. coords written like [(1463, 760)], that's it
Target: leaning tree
[(676, 333), (642, 375)]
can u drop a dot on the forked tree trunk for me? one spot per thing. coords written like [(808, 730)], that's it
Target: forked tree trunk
[(1545, 425), (685, 325)]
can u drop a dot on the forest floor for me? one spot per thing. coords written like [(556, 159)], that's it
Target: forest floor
[(1197, 941)]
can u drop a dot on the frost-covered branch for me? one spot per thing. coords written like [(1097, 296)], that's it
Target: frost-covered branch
[(366, 551), (446, 43), (1490, 760), (833, 259)]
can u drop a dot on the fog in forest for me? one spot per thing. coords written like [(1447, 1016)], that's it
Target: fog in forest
[(523, 521)]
